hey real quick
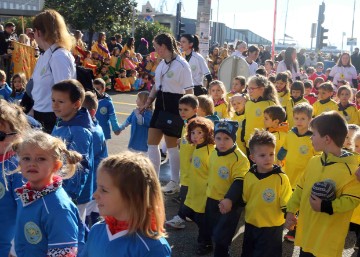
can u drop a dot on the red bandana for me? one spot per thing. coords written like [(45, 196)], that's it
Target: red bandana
[(6, 156), (116, 226)]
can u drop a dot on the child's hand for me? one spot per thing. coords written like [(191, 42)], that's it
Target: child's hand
[(315, 203), (290, 221), (117, 132), (225, 206), (358, 174), (281, 163)]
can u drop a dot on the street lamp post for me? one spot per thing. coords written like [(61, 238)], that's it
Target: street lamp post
[(342, 42)]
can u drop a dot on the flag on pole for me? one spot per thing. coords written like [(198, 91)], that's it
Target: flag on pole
[(23, 59), (286, 35)]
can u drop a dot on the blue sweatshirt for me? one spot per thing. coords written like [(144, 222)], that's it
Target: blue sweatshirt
[(5, 92), (17, 98), (8, 205), (77, 135), (105, 114), (140, 124)]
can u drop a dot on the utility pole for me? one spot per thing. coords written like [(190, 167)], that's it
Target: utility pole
[(352, 29)]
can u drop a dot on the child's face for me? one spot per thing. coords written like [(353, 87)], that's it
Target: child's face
[(270, 123), (349, 139), (238, 103), (103, 71), (255, 91), (216, 92), (223, 142), (99, 88), (127, 54), (319, 69), (5, 128), (186, 111), (17, 84), (236, 86), (139, 102), (264, 157), (62, 105), (344, 96), (301, 121), (268, 66), (318, 141), (296, 93), (116, 52), (323, 94), (358, 100), (201, 112), (109, 198), (308, 91), (197, 136), (123, 74), (280, 85), (38, 166), (357, 145)]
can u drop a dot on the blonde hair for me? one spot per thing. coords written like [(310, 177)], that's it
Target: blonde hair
[(12, 115), (222, 86), (143, 96), (206, 104), (237, 95), (24, 39), (53, 145), (53, 28), (135, 177)]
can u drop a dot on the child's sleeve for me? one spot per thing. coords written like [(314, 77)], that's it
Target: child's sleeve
[(62, 232), (112, 117), (285, 193), (127, 122), (294, 202), (147, 118), (347, 201), (283, 150)]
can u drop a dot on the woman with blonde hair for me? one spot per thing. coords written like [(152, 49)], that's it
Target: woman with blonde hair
[(56, 64)]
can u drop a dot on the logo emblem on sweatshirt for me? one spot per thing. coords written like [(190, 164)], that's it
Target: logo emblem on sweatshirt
[(258, 112), (103, 110), (170, 74), (32, 233), (2, 190), (193, 67), (303, 149), (223, 172), (196, 162), (268, 195)]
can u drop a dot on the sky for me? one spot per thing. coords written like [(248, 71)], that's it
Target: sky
[(258, 16)]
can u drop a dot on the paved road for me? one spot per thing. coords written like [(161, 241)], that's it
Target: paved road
[(183, 242)]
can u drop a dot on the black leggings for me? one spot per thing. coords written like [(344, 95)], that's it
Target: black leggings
[(47, 120)]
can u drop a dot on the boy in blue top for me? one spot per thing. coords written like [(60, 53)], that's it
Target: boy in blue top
[(100, 153), (105, 113), (5, 90), (74, 127)]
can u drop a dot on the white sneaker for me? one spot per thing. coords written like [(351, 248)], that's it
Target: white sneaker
[(171, 188), (176, 222)]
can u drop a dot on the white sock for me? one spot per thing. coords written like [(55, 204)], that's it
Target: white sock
[(154, 156), (163, 147), (174, 161)]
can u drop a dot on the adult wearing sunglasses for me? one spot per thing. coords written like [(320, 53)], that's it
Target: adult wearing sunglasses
[(56, 64)]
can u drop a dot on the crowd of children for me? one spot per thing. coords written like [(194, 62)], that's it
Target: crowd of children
[(268, 149)]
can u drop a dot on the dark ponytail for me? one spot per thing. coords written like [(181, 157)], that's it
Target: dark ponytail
[(168, 40), (194, 39)]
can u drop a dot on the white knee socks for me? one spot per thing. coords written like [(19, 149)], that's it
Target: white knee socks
[(174, 161), (154, 156)]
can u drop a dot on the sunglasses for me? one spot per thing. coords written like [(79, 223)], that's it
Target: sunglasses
[(3, 135)]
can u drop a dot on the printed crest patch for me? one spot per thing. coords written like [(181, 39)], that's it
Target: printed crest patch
[(2, 190), (32, 233), (268, 195), (258, 112), (196, 162), (303, 149), (170, 74), (223, 173), (193, 67), (103, 110)]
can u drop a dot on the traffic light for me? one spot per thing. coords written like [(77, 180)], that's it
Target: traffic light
[(322, 37), (181, 29)]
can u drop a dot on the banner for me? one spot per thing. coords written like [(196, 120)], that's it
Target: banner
[(23, 59)]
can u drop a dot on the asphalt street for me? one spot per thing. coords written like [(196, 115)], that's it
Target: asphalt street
[(183, 242)]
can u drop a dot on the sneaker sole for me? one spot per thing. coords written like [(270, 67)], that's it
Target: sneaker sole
[(170, 192), (170, 226)]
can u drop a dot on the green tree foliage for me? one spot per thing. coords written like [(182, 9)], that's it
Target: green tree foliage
[(94, 15)]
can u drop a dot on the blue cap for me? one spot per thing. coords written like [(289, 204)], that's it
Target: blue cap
[(228, 127)]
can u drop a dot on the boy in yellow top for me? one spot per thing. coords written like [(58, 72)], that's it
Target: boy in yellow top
[(297, 149), (227, 168), (188, 106), (324, 102), (322, 225), (297, 96), (274, 117), (268, 189)]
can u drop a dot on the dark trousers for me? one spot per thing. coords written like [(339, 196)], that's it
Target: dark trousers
[(47, 120), (305, 254), (259, 242), (222, 227)]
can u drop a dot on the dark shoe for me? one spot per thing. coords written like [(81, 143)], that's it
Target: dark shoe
[(204, 249)]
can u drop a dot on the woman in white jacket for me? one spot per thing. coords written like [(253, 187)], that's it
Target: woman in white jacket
[(290, 63)]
